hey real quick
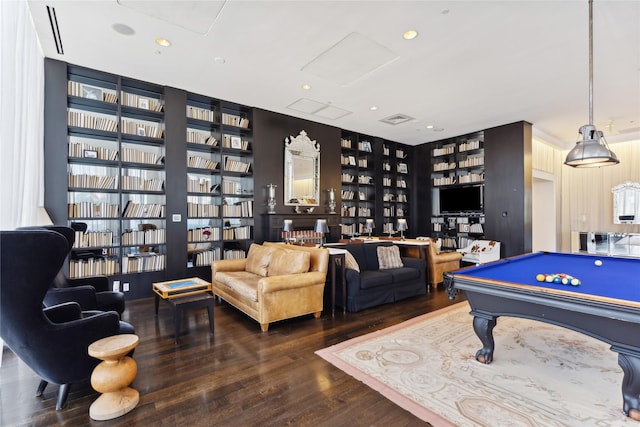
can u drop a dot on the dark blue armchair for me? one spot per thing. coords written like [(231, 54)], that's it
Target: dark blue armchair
[(52, 341)]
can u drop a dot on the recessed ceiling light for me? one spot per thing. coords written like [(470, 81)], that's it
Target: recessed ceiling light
[(219, 60), (373, 108), (306, 86), (410, 35), (429, 126), (163, 42)]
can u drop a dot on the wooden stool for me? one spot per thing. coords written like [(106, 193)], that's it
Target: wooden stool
[(113, 376)]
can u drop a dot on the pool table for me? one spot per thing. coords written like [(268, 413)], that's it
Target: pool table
[(606, 305)]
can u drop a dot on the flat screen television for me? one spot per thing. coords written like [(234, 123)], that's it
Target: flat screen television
[(461, 199)]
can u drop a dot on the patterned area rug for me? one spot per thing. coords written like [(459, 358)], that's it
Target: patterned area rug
[(542, 375)]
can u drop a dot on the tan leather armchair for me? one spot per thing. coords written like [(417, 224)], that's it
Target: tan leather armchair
[(255, 286), (441, 262)]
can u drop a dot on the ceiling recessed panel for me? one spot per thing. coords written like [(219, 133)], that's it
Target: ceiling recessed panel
[(351, 58), (196, 16), (332, 113), (305, 105)]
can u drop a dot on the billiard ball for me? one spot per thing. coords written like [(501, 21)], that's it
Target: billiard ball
[(549, 278), (597, 262), (575, 282), (540, 277)]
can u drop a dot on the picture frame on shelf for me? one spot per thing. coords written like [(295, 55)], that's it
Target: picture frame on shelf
[(92, 92), (366, 146), (141, 131), (402, 168), (352, 161), (236, 142), (143, 103), (90, 154)]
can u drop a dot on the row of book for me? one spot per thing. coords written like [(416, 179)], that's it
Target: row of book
[(202, 210), (241, 209), (139, 263), (137, 183), (142, 102), (237, 233), (471, 144), (92, 181), (234, 254), (201, 163), (199, 137), (92, 267), (205, 258), (231, 187), (139, 156), (444, 151), (144, 237), (471, 161), (143, 210), (140, 128), (201, 113), (234, 120), (443, 166), (233, 165), (91, 121), (364, 179), (93, 210), (91, 92), (201, 185), (203, 234), (92, 239), (230, 141), (78, 149)]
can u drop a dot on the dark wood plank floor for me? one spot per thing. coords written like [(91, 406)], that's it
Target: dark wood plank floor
[(237, 377)]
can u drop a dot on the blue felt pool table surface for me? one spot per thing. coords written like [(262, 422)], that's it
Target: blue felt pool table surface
[(617, 280)]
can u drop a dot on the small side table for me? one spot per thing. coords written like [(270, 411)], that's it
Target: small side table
[(113, 375), (181, 304), (337, 258)]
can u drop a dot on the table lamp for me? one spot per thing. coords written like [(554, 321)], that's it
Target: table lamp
[(287, 227), (321, 227), (368, 226), (401, 226)]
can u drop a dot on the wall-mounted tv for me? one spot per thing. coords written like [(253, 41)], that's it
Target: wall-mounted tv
[(461, 199)]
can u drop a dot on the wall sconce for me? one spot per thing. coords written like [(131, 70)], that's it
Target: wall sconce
[(369, 225), (287, 227), (321, 227), (402, 226), (271, 202), (332, 200)]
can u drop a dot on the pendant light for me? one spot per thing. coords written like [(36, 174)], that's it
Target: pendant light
[(591, 149)]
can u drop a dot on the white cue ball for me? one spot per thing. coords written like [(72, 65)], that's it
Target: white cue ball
[(597, 262)]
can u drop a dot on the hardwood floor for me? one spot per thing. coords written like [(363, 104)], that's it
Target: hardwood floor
[(238, 376)]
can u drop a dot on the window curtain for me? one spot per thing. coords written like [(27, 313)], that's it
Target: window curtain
[(21, 117)]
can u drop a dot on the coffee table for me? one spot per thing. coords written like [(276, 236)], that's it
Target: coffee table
[(182, 295)]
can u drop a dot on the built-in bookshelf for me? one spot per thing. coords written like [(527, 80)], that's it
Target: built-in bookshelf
[(457, 177), (395, 185), (358, 183), (219, 180), (115, 174)]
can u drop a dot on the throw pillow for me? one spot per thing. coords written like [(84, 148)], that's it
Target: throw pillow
[(389, 257), (350, 262), (258, 259), (285, 261)]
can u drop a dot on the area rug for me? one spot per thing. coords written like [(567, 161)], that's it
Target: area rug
[(542, 375)]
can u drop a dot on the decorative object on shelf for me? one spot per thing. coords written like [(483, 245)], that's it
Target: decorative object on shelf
[(332, 200), (301, 171), (369, 225), (591, 149), (271, 202), (321, 227), (402, 226), (287, 227), (310, 210)]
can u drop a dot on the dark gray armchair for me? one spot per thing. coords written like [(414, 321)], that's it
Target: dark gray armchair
[(52, 341)]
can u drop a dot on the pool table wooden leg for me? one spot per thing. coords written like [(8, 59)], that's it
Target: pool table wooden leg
[(483, 326), (630, 364)]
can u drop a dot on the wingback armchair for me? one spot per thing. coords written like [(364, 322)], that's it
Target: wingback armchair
[(441, 262), (52, 341), (92, 293)]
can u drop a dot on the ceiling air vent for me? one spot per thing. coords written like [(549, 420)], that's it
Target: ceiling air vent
[(396, 119), (55, 30)]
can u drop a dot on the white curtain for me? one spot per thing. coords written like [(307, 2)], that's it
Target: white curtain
[(21, 117)]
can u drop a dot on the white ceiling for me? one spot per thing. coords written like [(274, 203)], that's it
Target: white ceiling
[(474, 65)]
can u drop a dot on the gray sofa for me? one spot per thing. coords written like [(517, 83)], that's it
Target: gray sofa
[(371, 286)]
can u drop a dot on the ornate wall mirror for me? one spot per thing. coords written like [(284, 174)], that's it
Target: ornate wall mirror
[(301, 171), (626, 203)]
